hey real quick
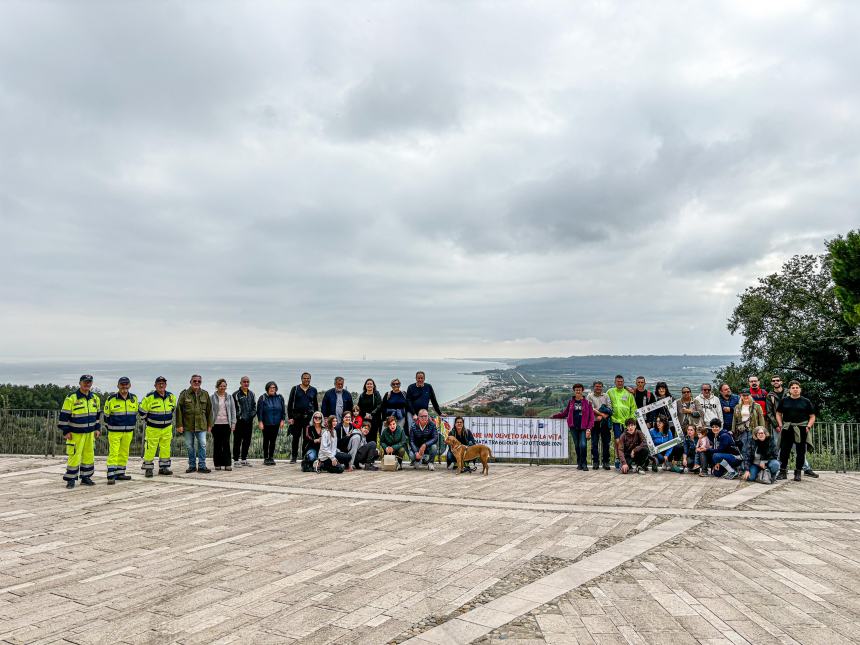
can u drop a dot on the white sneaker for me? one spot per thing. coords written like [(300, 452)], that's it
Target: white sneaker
[(430, 466), (235, 464), (245, 462)]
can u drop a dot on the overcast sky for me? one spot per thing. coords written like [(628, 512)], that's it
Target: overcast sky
[(407, 179)]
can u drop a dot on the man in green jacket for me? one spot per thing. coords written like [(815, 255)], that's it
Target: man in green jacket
[(393, 441), (194, 420), (623, 408)]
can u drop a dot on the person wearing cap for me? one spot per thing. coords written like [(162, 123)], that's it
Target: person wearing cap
[(80, 427), (156, 409), (194, 420), (746, 415), (120, 417)]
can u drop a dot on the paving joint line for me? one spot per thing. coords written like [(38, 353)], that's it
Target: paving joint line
[(504, 505), (482, 620)]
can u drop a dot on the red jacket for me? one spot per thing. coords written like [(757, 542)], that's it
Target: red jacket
[(587, 414), (760, 397)]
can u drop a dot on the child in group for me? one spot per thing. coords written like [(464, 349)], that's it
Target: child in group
[(361, 451), (329, 458), (688, 460), (660, 434), (703, 449), (725, 457), (357, 420)]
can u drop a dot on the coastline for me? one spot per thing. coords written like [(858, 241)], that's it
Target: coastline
[(485, 381)]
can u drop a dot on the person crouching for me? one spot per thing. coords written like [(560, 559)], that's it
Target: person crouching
[(331, 459), (631, 449)]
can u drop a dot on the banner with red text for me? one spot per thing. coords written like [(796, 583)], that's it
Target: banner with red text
[(519, 438)]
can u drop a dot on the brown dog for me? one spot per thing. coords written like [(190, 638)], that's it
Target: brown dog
[(467, 453)]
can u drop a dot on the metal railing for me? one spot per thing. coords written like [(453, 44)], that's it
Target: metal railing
[(835, 446)]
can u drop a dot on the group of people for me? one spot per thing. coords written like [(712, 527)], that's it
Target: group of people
[(750, 434), (335, 434)]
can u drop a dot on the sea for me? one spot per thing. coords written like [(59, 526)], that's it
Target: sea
[(450, 377)]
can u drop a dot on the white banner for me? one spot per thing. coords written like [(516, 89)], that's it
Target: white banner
[(519, 438)]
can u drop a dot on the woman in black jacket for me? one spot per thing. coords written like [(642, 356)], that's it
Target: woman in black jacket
[(271, 414), (370, 404), (394, 404), (760, 454)]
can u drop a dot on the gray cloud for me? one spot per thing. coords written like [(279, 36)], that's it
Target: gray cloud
[(449, 180)]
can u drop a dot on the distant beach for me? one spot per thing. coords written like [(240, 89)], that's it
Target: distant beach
[(485, 382)]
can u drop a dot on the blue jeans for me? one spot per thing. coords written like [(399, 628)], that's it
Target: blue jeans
[(732, 460), (772, 466), (580, 444), (201, 448), (429, 454), (617, 431)]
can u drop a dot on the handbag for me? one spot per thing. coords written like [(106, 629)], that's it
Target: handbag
[(764, 476), (389, 462)]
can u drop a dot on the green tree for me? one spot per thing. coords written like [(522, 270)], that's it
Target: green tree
[(35, 397), (845, 261), (792, 325)]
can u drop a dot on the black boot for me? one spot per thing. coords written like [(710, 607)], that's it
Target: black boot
[(111, 482), (86, 481), (123, 478), (811, 473), (70, 483), (148, 472), (782, 475), (165, 471), (797, 475)]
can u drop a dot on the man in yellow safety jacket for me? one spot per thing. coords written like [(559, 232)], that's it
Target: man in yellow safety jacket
[(79, 424), (120, 417), (156, 409)]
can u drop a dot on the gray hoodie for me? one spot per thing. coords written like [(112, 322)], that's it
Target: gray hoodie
[(231, 408)]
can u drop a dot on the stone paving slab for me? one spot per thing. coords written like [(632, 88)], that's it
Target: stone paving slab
[(732, 582), (275, 555), (544, 484)]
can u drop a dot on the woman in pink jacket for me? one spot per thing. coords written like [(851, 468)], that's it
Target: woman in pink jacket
[(580, 420)]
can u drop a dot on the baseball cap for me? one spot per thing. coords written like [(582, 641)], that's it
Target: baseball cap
[(86, 377), (160, 379), (124, 380), (746, 391)]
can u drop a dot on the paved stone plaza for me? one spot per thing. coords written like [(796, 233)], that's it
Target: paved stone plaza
[(529, 554)]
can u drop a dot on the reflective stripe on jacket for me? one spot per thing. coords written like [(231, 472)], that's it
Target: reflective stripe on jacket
[(120, 414), (157, 410), (80, 413)]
